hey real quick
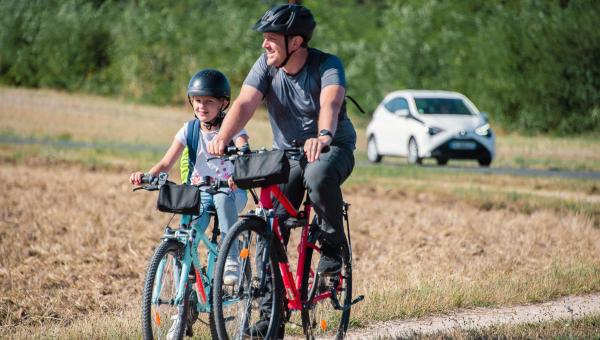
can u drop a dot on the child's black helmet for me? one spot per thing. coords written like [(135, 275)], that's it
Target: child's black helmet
[(209, 82), (289, 19)]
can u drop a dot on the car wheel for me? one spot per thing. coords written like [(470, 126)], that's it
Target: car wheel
[(441, 161), (372, 153), (413, 152), (484, 161)]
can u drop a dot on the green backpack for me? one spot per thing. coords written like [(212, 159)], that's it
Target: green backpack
[(188, 157)]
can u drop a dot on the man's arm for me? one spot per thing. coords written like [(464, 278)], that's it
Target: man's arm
[(331, 100), (241, 111)]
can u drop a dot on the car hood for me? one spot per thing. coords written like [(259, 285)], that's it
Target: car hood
[(453, 122)]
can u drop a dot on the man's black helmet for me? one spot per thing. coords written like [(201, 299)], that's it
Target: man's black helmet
[(289, 19), (209, 82)]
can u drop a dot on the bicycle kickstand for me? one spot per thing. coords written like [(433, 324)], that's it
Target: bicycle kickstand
[(336, 303)]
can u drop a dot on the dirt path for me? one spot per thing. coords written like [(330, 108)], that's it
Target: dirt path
[(564, 308)]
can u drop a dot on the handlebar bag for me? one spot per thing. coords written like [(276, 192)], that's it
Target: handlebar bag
[(179, 199), (261, 169)]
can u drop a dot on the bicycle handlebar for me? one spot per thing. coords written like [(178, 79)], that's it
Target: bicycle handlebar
[(152, 182), (207, 183)]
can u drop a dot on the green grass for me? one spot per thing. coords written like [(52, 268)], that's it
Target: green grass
[(576, 153), (102, 156), (442, 295)]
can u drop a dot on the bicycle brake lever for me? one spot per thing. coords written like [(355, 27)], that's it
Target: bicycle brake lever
[(147, 187)]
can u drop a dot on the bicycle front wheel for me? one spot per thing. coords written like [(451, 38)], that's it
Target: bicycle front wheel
[(250, 306), (161, 318), (321, 318)]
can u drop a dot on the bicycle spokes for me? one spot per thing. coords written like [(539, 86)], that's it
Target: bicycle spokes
[(243, 305), (160, 291), (328, 299)]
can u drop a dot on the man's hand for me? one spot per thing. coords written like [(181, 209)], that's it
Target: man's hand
[(216, 146), (314, 146)]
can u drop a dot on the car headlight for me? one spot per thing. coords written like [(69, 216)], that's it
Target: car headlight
[(432, 130), (484, 130)]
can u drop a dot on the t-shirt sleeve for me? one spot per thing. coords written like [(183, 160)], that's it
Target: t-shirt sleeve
[(332, 72), (258, 75), (181, 135), (241, 133)]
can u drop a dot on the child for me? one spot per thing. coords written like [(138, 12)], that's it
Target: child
[(209, 94)]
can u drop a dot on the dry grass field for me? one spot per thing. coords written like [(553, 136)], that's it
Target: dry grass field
[(74, 239), (74, 244), (62, 116)]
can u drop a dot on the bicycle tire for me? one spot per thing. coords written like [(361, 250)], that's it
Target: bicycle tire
[(331, 322), (236, 306), (156, 317), (212, 324)]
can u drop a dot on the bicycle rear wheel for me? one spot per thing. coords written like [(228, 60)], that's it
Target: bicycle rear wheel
[(321, 318), (161, 318), (257, 294)]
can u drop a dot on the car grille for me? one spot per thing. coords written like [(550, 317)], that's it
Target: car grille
[(461, 149)]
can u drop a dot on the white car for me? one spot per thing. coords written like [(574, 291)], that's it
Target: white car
[(420, 124)]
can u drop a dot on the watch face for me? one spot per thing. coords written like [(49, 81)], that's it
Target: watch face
[(325, 132)]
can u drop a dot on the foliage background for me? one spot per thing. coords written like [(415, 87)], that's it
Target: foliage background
[(532, 64)]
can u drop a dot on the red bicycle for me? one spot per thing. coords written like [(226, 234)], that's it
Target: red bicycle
[(267, 290)]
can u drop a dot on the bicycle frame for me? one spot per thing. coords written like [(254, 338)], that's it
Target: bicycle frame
[(190, 237), (291, 288)]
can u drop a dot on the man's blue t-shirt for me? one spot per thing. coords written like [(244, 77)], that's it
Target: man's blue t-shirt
[(293, 101)]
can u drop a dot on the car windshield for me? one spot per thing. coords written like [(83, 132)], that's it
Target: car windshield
[(442, 106)]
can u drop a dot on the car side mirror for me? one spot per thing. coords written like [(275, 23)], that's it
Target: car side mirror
[(485, 116), (402, 112)]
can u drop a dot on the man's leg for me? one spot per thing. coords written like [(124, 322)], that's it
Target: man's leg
[(294, 191), (323, 179)]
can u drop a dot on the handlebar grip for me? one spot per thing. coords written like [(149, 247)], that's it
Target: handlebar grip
[(245, 149), (148, 179), (231, 150)]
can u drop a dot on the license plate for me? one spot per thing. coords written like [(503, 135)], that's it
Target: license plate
[(460, 145)]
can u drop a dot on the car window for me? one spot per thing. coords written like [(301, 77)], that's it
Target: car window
[(445, 106), (396, 104)]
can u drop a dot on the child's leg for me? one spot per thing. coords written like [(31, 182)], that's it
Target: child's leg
[(206, 204), (241, 198), (227, 211)]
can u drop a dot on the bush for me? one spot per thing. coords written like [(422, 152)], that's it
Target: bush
[(531, 64)]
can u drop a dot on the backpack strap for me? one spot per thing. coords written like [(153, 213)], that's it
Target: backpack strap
[(192, 138), (316, 70)]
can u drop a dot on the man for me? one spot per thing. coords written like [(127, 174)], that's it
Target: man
[(304, 90)]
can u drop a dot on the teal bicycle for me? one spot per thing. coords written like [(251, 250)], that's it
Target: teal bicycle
[(178, 286)]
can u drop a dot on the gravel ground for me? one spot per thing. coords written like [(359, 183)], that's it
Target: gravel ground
[(565, 308)]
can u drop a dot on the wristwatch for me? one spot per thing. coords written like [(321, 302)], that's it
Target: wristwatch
[(325, 132)]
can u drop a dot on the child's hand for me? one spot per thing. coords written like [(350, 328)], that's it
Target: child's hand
[(136, 178), (231, 184)]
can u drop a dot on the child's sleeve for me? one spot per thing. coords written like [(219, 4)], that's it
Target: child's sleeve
[(181, 136), (242, 133)]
